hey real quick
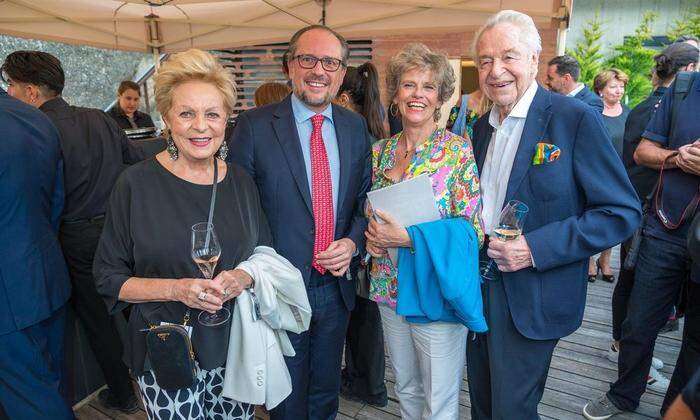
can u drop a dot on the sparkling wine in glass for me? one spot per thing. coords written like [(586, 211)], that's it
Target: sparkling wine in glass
[(205, 253), (510, 227)]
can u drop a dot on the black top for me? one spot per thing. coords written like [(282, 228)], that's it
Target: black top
[(679, 187), (147, 233), (141, 119), (643, 178), (95, 151), (616, 128)]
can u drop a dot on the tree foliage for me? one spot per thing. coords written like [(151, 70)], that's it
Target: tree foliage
[(689, 24), (587, 51)]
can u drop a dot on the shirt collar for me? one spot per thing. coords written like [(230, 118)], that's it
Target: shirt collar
[(579, 87), (54, 103), (302, 113), (519, 110)]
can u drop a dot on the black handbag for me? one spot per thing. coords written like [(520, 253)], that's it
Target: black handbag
[(169, 350)]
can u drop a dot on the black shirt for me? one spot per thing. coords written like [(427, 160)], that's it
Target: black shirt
[(679, 187), (643, 178), (95, 151), (141, 119), (147, 234), (616, 128)]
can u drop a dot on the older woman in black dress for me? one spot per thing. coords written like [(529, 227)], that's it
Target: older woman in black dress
[(143, 258)]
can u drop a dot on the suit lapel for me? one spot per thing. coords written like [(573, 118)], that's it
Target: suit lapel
[(288, 138), (482, 141), (533, 132), (343, 135)]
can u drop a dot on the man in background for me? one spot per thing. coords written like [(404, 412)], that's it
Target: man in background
[(563, 73)]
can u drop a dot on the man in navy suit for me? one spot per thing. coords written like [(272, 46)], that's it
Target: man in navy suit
[(311, 161), (34, 283), (552, 153), (563, 72)]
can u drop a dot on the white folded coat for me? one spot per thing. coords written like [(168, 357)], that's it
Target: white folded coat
[(255, 369)]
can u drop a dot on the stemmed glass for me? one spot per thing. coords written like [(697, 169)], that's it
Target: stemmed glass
[(205, 253), (510, 227)]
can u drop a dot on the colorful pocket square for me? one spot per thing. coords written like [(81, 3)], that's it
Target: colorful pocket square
[(545, 153)]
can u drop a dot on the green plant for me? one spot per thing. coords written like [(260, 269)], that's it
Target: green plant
[(689, 24), (587, 51), (636, 61)]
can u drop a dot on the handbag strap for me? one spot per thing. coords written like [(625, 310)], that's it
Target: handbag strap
[(212, 204), (658, 201)]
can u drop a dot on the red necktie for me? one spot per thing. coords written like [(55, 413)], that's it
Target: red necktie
[(321, 192)]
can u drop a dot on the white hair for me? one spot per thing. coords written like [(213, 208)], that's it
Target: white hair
[(529, 35)]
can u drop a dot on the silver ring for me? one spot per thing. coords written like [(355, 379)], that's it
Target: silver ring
[(225, 292), (202, 295)]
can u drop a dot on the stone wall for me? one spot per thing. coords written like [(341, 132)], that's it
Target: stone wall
[(92, 74)]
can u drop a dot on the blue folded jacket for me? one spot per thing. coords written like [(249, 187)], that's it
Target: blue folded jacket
[(439, 280)]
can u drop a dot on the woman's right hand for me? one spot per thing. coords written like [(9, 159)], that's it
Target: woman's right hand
[(198, 294), (374, 250)]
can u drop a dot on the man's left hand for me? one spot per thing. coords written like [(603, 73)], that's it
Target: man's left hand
[(336, 258), (688, 159), (510, 255)]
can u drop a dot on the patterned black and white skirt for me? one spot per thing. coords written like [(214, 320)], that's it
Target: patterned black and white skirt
[(203, 401)]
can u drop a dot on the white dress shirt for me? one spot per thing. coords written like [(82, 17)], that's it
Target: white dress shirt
[(500, 155), (577, 89)]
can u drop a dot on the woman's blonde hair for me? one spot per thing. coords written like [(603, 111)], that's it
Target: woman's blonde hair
[(419, 56), (188, 66), (605, 76)]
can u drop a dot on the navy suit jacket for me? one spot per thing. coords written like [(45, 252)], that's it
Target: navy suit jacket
[(580, 204), (590, 98), (265, 143), (34, 280)]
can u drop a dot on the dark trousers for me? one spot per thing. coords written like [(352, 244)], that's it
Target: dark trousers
[(315, 369), (364, 351), (621, 295), (31, 371), (689, 357), (507, 371), (662, 268), (79, 242)]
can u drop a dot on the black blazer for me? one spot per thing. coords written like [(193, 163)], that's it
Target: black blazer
[(141, 119), (590, 98), (266, 144)]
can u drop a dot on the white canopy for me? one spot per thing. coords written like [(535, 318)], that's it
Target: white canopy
[(176, 25)]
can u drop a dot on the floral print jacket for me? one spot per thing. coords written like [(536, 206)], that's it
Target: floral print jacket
[(449, 162)]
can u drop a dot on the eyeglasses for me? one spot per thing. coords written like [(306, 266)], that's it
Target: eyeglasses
[(307, 61)]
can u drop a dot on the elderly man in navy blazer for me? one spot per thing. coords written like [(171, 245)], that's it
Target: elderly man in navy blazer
[(34, 283), (311, 161), (552, 153)]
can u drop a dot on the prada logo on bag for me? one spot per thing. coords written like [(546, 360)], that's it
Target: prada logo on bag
[(163, 336)]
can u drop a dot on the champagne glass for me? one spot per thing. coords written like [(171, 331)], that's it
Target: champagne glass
[(205, 253), (510, 227)]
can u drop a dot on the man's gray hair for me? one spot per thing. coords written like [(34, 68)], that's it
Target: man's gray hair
[(529, 35)]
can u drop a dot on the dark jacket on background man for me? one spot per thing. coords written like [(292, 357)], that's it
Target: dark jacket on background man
[(141, 119), (642, 177), (590, 98), (95, 151)]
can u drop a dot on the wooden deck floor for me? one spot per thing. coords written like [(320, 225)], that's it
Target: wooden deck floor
[(579, 372)]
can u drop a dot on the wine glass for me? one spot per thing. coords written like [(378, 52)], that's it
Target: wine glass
[(205, 253), (510, 227)]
